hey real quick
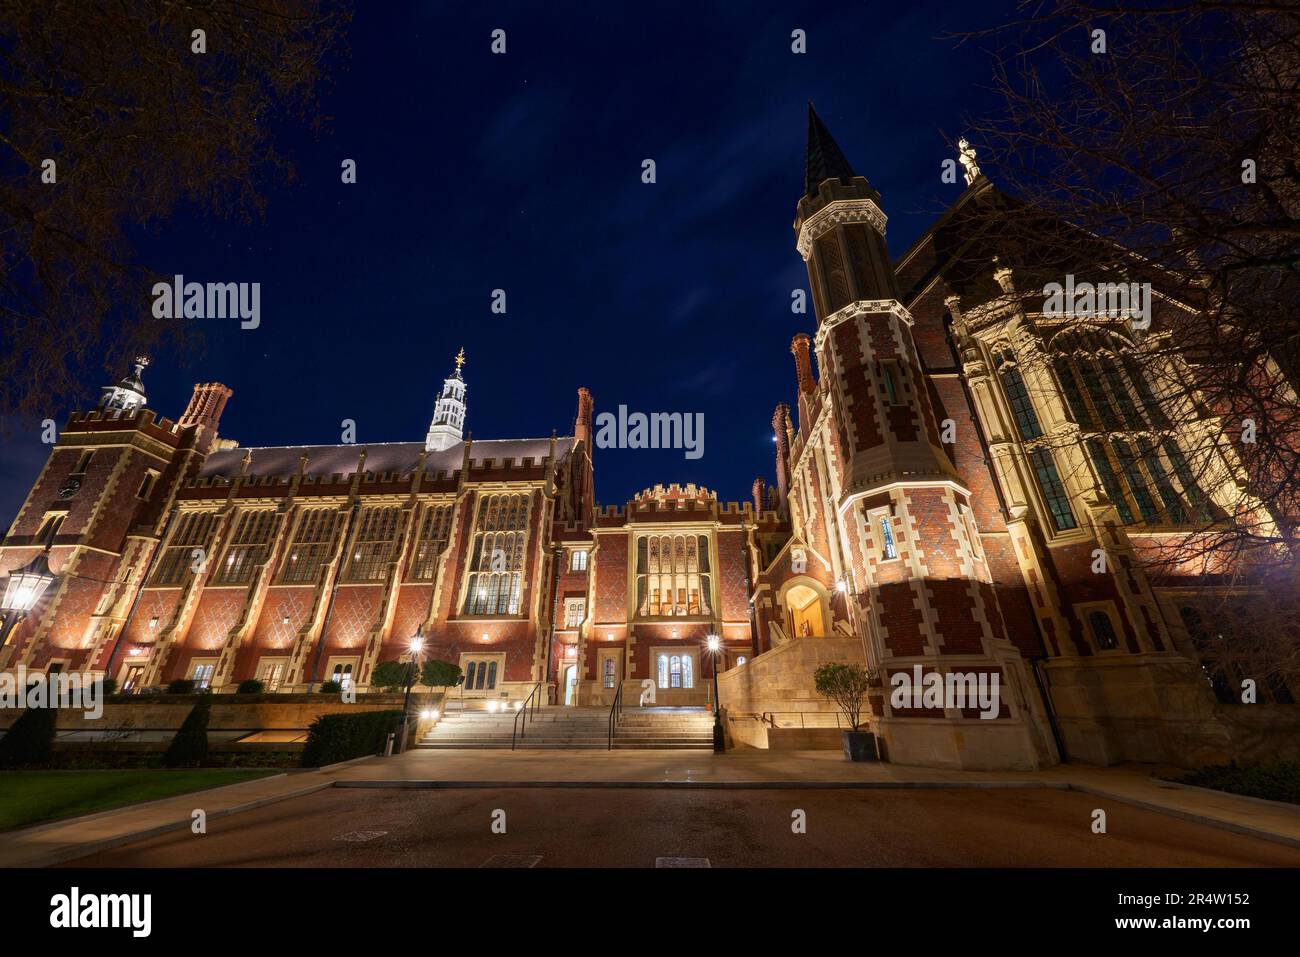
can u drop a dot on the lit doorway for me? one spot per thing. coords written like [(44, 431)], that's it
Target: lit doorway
[(571, 685), (806, 616)]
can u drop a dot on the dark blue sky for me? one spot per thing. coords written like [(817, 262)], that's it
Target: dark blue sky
[(523, 172)]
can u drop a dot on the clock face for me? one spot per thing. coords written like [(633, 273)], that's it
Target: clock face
[(70, 487)]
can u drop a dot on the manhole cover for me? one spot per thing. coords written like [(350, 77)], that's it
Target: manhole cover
[(360, 837), (512, 860), (682, 862)]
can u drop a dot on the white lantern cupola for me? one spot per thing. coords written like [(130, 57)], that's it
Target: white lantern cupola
[(447, 428), (128, 394)]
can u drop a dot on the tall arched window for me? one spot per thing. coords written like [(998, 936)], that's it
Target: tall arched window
[(496, 562), (1040, 456), (673, 576), (1143, 472)]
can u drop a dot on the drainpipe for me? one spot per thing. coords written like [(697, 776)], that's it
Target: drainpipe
[(135, 601), (334, 590)]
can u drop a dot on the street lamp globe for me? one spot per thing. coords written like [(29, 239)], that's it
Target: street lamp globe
[(416, 644), (714, 643)]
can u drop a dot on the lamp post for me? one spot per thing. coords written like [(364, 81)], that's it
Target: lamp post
[(719, 739), (417, 643), (25, 587)]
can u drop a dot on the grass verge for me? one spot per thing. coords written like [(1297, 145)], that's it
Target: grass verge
[(34, 797)]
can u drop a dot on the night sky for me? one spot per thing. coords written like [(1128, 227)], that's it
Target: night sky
[(523, 172)]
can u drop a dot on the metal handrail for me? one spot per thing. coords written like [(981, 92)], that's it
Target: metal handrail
[(534, 698), (615, 710), (769, 717)]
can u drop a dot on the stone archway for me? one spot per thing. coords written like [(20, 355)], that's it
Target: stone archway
[(807, 608)]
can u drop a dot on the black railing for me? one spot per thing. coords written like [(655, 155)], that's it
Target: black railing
[(615, 710), (770, 718), (527, 713)]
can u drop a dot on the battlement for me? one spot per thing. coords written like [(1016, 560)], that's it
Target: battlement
[(134, 419), (527, 463)]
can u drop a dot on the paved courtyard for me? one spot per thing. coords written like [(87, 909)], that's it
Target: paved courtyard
[(621, 827)]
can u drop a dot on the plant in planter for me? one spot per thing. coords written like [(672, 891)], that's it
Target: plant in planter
[(250, 686), (847, 685)]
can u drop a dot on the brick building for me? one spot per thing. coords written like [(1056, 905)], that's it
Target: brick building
[(917, 509)]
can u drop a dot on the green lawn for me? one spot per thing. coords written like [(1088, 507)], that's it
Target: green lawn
[(31, 797)]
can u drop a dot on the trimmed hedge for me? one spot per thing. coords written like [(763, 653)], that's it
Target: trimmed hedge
[(341, 737), (250, 686), (189, 748), (181, 686), (1279, 781), (30, 739), (390, 675), (331, 687)]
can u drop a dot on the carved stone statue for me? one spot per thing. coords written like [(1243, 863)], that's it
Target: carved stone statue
[(968, 160)]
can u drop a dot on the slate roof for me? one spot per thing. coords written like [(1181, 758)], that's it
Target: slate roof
[(398, 457)]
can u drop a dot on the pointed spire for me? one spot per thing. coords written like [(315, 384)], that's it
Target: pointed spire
[(825, 160)]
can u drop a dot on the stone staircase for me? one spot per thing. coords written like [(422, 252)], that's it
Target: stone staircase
[(559, 728)]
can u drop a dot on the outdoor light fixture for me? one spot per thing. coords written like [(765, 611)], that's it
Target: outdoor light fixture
[(25, 588), (841, 587), (492, 706), (417, 643), (714, 644), (518, 705), (434, 714), (485, 636), (153, 622)]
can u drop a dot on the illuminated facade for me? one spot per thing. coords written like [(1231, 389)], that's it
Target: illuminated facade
[(942, 487)]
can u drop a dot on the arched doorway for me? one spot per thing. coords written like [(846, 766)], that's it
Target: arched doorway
[(571, 685), (807, 611)]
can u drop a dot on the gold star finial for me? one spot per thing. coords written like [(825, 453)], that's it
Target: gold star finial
[(460, 358)]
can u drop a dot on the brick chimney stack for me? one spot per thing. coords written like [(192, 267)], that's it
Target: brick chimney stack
[(205, 408), (800, 348), (781, 431), (582, 424)]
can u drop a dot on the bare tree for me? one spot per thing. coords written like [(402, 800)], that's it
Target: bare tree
[(112, 115), (1160, 143)]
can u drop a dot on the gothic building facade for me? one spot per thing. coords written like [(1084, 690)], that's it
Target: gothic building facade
[(918, 517)]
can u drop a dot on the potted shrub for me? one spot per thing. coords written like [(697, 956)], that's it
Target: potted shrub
[(847, 686)]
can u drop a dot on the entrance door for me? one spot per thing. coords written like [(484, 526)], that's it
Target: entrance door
[(570, 684), (609, 672)]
